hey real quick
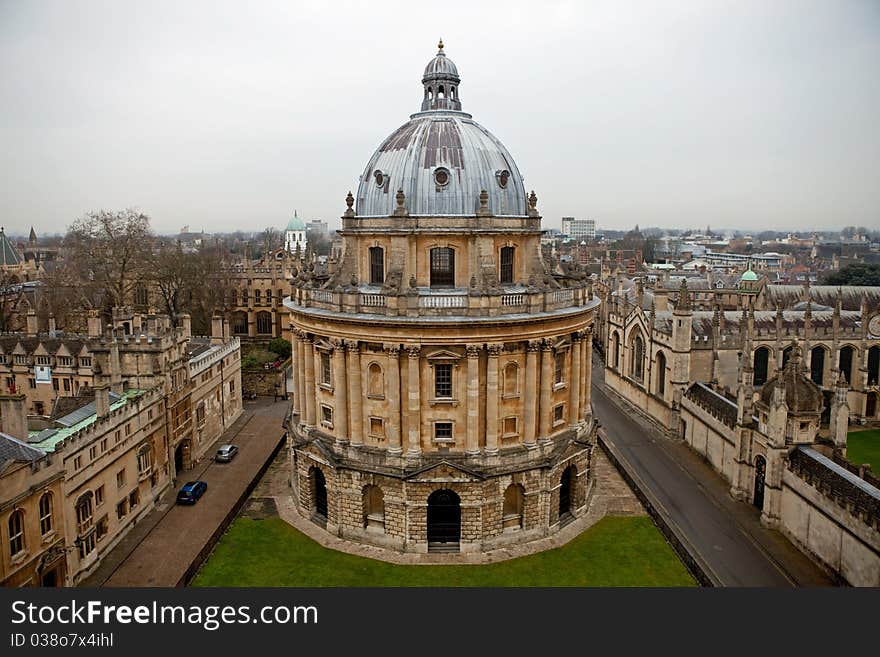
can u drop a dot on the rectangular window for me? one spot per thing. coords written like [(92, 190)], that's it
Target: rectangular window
[(32, 383), (128, 429), (558, 414), (559, 367), (377, 265), (87, 545), (122, 509), (117, 436), (325, 369), (16, 532), (66, 385), (77, 462), (55, 385), (327, 416), (443, 432), (99, 495), (200, 414), (510, 428), (65, 361), (104, 445), (443, 380), (134, 498), (377, 427), (45, 514), (507, 264), (85, 362), (120, 478), (43, 360), (103, 527), (93, 452), (442, 267)]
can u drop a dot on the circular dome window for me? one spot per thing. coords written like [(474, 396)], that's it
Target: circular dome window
[(503, 177), (380, 178), (441, 177)]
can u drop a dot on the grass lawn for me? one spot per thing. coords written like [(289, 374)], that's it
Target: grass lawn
[(864, 447), (616, 551)]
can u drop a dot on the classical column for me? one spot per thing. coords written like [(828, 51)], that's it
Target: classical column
[(414, 416), (574, 382), (530, 400), (301, 377), (318, 364), (587, 376), (393, 393), (340, 392), (294, 369), (356, 425), (546, 382), (309, 388), (494, 351), (473, 399)]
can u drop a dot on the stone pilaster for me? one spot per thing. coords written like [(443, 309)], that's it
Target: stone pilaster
[(356, 421), (340, 392), (473, 399), (546, 384), (530, 400), (295, 365), (392, 431), (414, 415), (309, 389), (494, 351), (587, 376), (574, 382)]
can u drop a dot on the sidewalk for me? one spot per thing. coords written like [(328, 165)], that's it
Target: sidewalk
[(161, 548)]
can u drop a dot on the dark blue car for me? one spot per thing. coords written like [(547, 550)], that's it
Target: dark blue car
[(191, 492)]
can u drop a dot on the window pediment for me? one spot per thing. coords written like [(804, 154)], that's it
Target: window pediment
[(443, 355)]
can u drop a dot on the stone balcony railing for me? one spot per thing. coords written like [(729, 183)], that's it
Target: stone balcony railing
[(442, 302)]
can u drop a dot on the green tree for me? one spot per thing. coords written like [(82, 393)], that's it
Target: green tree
[(859, 273), (281, 347)]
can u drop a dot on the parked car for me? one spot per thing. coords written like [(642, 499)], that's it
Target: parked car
[(191, 492), (226, 453)]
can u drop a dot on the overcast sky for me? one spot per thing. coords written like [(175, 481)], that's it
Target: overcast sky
[(230, 115)]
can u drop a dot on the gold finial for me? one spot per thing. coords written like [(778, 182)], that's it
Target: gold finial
[(440, 45)]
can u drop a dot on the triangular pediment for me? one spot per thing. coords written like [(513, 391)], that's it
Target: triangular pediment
[(444, 471), (443, 354)]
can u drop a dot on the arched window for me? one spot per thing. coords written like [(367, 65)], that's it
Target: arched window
[(817, 365), (374, 508), (377, 265), (761, 360), (441, 93), (244, 297), (233, 297), (615, 349), (442, 267), (507, 253), (45, 513), (375, 381), (660, 376), (511, 379), (264, 322), (16, 532), (140, 295), (637, 367), (269, 296), (257, 299), (83, 507), (873, 366), (845, 363), (512, 511), (786, 354), (240, 322)]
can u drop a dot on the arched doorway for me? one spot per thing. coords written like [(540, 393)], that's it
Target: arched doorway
[(871, 405), (178, 458), (444, 521), (761, 365), (319, 495), (565, 486), (760, 474)]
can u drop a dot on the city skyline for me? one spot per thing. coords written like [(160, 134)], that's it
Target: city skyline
[(740, 116)]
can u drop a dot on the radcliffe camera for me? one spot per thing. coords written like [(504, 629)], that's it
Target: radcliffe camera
[(329, 296)]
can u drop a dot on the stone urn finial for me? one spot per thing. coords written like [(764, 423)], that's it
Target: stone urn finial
[(484, 204), (349, 202), (533, 204), (400, 210)]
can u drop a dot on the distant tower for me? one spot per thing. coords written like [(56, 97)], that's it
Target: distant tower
[(295, 234)]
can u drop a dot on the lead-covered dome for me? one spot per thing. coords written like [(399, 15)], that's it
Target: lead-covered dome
[(442, 159)]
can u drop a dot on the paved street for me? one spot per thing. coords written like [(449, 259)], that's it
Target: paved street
[(726, 535), (160, 549)]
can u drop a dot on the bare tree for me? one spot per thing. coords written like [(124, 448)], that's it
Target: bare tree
[(110, 250)]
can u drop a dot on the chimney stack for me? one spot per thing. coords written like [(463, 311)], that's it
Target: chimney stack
[(186, 322), (96, 327), (52, 327), (13, 409), (102, 400), (217, 329), (31, 322)]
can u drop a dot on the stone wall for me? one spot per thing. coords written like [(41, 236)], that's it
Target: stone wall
[(262, 382), (832, 518)]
